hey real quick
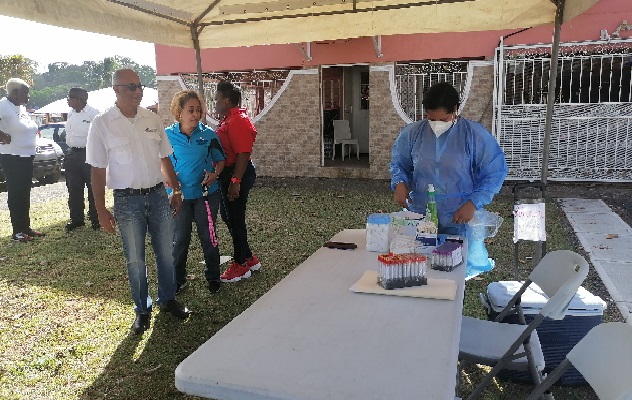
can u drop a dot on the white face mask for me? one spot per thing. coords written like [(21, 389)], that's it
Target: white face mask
[(439, 127)]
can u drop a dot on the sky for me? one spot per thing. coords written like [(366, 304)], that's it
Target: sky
[(46, 44)]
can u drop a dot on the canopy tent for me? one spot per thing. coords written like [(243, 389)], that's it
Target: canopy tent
[(232, 23), (100, 99)]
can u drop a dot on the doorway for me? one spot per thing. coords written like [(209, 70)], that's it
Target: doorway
[(345, 95)]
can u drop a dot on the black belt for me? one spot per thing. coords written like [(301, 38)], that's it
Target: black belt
[(78, 148), (138, 192)]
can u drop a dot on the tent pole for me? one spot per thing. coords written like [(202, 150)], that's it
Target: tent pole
[(195, 35), (550, 100)]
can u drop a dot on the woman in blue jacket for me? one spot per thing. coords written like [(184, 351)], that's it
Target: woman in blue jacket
[(197, 159), (459, 157)]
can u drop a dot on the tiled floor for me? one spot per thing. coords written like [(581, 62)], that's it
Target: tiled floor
[(607, 240)]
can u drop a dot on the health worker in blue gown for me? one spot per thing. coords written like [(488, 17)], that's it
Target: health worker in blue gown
[(459, 157)]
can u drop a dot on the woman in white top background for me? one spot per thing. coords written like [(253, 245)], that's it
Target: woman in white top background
[(18, 133)]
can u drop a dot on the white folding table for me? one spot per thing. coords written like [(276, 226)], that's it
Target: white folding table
[(311, 338)]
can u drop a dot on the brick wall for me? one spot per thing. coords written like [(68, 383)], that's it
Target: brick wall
[(167, 88), (479, 105), (384, 123), (288, 135)]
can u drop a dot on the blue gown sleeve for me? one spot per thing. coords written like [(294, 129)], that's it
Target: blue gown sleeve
[(489, 166), (401, 167)]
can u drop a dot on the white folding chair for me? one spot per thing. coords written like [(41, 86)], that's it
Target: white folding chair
[(342, 135), (604, 358), (517, 347)]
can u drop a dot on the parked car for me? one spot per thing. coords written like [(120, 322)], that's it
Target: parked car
[(55, 131), (47, 163)]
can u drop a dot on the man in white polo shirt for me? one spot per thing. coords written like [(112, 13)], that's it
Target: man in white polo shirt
[(129, 151), (77, 170)]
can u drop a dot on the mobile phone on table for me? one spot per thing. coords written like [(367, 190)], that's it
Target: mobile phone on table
[(341, 245)]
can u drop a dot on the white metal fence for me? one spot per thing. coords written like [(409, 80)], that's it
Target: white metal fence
[(591, 136)]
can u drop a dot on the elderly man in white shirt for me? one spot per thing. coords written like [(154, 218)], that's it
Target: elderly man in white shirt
[(77, 170), (18, 133), (129, 152)]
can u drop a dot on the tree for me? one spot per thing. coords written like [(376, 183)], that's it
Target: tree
[(146, 73), (91, 75), (16, 66), (62, 73), (102, 73), (47, 95)]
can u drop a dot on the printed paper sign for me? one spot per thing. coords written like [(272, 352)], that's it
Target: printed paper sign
[(529, 222)]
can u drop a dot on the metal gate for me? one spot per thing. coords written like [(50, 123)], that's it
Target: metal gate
[(591, 135)]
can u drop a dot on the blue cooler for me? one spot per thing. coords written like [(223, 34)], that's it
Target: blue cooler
[(557, 337)]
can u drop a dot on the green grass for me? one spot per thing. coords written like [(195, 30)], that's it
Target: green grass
[(65, 308)]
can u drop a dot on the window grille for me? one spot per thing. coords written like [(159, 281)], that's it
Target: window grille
[(412, 79), (257, 87)]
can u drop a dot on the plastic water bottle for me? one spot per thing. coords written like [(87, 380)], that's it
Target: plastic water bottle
[(431, 206)]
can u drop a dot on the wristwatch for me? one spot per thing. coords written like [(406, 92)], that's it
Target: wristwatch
[(235, 180)]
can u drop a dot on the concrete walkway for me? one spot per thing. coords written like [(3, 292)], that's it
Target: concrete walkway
[(608, 241)]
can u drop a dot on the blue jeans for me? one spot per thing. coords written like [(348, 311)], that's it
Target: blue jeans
[(135, 215), (203, 211)]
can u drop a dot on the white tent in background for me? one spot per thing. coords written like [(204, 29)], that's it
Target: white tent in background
[(100, 99)]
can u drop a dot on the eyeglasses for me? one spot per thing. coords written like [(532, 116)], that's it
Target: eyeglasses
[(72, 97), (133, 86)]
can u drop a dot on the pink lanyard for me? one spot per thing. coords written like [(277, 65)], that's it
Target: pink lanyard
[(211, 227)]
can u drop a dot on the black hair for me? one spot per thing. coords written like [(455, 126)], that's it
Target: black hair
[(80, 92), (230, 91), (441, 95)]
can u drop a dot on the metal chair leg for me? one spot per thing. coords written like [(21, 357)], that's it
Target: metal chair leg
[(486, 381), (542, 389), (457, 389)]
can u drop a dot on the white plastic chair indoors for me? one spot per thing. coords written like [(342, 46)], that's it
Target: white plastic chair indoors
[(604, 358), (342, 135), (516, 346)]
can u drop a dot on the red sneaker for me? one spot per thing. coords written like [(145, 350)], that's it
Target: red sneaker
[(21, 237), (33, 233), (235, 272), (253, 263)]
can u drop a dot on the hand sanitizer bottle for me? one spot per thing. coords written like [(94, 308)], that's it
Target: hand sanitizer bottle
[(431, 206)]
